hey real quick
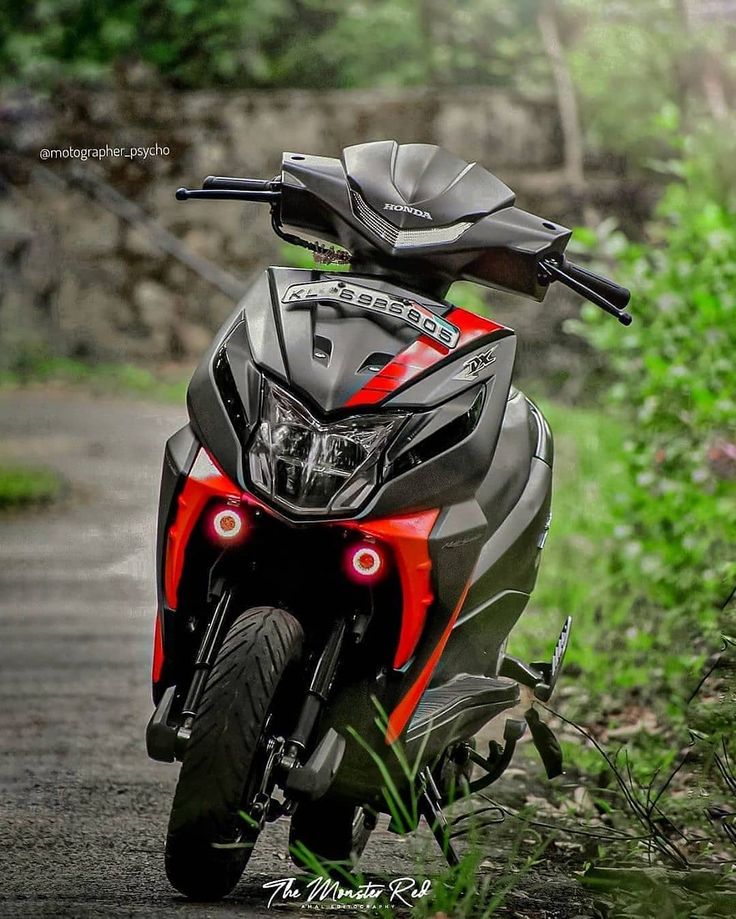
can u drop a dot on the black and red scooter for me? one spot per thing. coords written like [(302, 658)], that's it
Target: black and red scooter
[(351, 523)]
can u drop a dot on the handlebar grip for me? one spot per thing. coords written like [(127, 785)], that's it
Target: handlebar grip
[(552, 270), (228, 194), (613, 292), (232, 183)]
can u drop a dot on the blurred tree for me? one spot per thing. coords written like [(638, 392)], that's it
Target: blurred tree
[(313, 43), (186, 42), (567, 102), (627, 65), (635, 62), (709, 44)]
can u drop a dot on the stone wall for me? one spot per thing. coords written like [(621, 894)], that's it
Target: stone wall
[(78, 279)]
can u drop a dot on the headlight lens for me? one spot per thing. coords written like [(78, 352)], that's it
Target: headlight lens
[(310, 466)]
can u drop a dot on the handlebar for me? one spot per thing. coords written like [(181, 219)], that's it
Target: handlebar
[(616, 294), (227, 194), (229, 188), (604, 293), (231, 183)]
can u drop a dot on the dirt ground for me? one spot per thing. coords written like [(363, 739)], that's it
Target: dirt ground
[(82, 810)]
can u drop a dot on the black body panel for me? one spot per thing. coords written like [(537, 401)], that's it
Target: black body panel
[(287, 340), (345, 333), (425, 176)]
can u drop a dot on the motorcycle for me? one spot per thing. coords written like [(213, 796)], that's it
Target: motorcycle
[(351, 523)]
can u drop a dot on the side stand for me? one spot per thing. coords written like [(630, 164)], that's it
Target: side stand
[(430, 807)]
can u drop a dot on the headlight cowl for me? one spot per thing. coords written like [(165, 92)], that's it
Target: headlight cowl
[(311, 466)]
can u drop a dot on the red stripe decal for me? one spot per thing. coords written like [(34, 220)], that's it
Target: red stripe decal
[(409, 363), (158, 651), (419, 356), (471, 325)]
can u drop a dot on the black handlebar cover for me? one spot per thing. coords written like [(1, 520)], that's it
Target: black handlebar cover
[(616, 294), (231, 183), (506, 248)]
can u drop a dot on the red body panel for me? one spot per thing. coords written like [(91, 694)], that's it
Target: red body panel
[(405, 709), (193, 498), (407, 537), (158, 651)]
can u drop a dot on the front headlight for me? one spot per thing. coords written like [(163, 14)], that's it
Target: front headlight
[(310, 466)]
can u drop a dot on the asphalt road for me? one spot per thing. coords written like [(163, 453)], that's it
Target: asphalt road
[(83, 811)]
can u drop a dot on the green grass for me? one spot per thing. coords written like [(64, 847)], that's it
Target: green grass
[(574, 568), (21, 487), (99, 378), (574, 575)]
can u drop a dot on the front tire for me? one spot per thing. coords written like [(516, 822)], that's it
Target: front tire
[(219, 771)]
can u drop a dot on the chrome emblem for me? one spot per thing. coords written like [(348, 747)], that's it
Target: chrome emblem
[(477, 363), (376, 301), (406, 209)]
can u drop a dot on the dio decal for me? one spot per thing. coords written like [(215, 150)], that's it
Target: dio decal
[(473, 366)]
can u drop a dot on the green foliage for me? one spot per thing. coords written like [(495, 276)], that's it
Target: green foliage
[(469, 297), (30, 367), (186, 42), (641, 893), (624, 63), (672, 560), (20, 487), (574, 571), (260, 43)]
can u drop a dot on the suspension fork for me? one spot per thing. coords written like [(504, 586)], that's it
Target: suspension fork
[(284, 764), (203, 663), (167, 736), (317, 694)]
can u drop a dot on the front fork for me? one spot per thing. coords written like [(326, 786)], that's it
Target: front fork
[(319, 688), (203, 663), (165, 741), (284, 757), (284, 763)]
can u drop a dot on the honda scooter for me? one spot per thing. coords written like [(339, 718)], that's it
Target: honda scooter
[(351, 523)]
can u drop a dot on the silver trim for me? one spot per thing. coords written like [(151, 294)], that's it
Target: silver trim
[(476, 364), (404, 239), (486, 604), (377, 301)]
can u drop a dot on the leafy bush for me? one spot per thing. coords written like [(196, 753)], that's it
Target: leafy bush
[(673, 560), (273, 43)]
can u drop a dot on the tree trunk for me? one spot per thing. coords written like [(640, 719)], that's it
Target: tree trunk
[(566, 98)]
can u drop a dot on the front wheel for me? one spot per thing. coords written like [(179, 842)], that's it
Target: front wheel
[(208, 842)]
